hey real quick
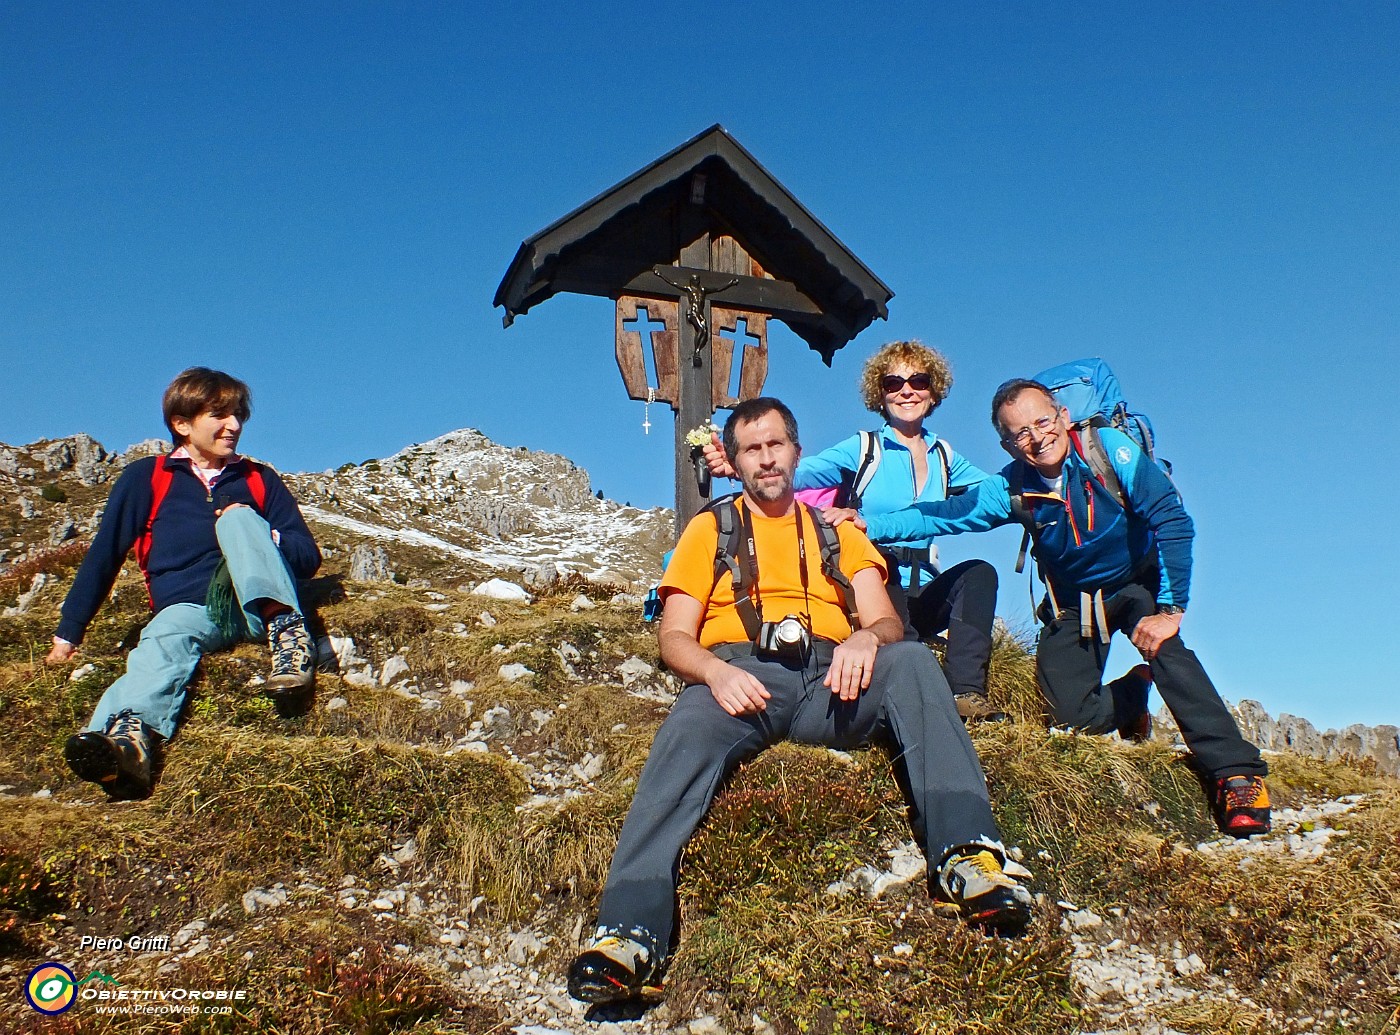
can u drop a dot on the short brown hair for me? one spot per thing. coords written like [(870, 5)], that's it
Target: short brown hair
[(201, 390), (751, 410), (913, 353), (1010, 391)]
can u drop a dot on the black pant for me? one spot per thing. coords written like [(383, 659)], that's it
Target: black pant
[(962, 600), (1070, 672)]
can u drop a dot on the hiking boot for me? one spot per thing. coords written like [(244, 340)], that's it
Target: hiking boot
[(1130, 711), (973, 880), (1242, 806), (612, 970), (974, 706), (293, 655), (117, 759)]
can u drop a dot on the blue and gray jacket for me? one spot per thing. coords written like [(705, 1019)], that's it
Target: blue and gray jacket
[(184, 550), (1084, 541)]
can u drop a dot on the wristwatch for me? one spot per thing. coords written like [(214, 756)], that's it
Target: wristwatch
[(1170, 609)]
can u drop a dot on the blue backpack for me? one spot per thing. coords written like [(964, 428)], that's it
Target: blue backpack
[(1089, 389), (651, 606)]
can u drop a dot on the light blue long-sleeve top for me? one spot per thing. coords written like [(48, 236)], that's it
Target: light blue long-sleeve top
[(892, 487)]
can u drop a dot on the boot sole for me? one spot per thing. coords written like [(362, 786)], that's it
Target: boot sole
[(600, 992), (284, 683), (291, 702), (592, 983), (1245, 825), (92, 758), (1002, 920)]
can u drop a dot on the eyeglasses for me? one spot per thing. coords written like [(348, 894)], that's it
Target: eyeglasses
[(1041, 425), (892, 383)]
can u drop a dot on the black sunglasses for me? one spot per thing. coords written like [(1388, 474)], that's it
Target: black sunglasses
[(892, 383)]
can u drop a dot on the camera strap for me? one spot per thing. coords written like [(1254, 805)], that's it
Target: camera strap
[(750, 604)]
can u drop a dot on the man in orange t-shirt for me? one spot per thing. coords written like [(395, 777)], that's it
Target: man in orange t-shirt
[(769, 655)]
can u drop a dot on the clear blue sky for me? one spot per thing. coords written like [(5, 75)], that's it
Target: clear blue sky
[(322, 199)]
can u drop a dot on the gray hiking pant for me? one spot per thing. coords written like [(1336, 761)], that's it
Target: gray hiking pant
[(1070, 672), (700, 743)]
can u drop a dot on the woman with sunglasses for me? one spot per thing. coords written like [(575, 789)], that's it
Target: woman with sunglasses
[(904, 382)]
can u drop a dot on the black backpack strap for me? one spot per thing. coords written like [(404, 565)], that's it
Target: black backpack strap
[(831, 564), (1020, 513), (945, 459), (732, 555), (871, 452)]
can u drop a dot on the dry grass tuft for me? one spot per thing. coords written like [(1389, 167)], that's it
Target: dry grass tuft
[(1011, 684), (827, 964), (794, 819), (60, 560)]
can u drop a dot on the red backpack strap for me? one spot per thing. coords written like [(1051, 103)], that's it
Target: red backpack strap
[(161, 476), (257, 486), (1091, 450), (160, 485)]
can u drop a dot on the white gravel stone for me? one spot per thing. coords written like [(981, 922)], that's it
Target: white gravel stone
[(394, 667), (523, 946), (633, 670), (515, 671), (907, 864), (259, 900), (1081, 920), (360, 677), (183, 935), (500, 589)]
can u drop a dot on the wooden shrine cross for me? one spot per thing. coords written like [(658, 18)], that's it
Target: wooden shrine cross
[(703, 238), (693, 355)]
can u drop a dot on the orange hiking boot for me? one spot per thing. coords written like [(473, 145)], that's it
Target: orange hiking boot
[(1242, 806)]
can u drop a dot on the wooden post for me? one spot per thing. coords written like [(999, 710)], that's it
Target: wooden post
[(694, 405)]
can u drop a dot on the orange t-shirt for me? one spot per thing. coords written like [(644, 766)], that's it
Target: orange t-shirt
[(692, 572)]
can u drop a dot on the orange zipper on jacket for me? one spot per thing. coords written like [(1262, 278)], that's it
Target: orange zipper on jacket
[(1069, 512)]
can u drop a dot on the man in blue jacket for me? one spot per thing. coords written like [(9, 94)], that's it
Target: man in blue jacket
[(203, 520), (1106, 568)]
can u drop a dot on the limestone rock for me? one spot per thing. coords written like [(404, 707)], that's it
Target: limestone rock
[(370, 564)]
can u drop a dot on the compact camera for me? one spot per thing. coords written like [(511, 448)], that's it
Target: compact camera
[(790, 638)]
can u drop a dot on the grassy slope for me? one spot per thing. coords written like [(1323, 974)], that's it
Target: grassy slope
[(248, 800)]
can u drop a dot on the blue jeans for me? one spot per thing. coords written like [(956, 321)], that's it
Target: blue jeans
[(158, 670)]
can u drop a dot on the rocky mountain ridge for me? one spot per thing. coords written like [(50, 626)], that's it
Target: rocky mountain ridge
[(461, 497)]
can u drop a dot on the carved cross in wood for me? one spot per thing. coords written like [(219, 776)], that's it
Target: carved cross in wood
[(664, 347)]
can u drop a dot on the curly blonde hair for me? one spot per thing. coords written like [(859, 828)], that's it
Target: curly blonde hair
[(912, 353)]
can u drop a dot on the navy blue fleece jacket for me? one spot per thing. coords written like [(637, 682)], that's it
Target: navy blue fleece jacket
[(184, 550)]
